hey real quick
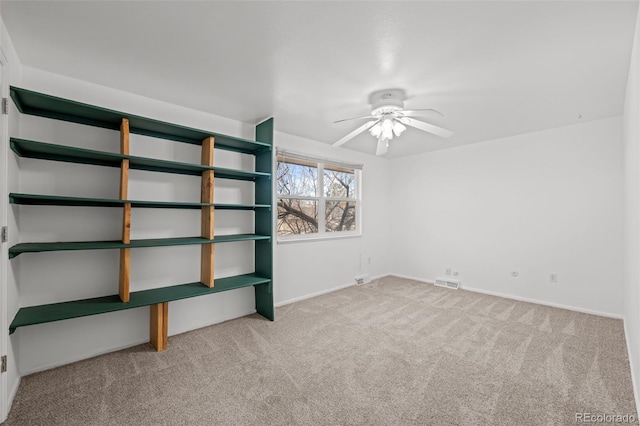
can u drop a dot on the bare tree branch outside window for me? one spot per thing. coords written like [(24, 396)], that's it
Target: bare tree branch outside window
[(340, 215), (308, 189), (296, 215)]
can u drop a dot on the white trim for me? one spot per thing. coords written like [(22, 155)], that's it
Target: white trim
[(14, 392), (106, 350), (315, 198), (407, 277), (5, 399), (203, 324), (82, 356), (322, 204), (302, 238), (309, 296), (321, 292), (280, 152), (521, 299), (634, 381), (300, 197)]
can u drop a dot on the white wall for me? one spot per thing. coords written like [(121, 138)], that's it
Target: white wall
[(13, 69), (536, 203), (631, 146), (307, 268)]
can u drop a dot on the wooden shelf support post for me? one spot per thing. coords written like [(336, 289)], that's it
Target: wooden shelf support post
[(208, 250), (159, 326), (125, 253)]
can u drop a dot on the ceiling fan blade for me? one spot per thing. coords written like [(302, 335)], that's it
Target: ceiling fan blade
[(383, 146), (355, 118), (412, 112), (426, 127), (356, 132)]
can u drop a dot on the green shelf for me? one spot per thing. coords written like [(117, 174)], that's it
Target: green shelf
[(56, 200), (46, 151), (81, 308), (34, 103), (106, 245)]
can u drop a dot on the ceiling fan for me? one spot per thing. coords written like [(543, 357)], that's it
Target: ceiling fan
[(389, 118)]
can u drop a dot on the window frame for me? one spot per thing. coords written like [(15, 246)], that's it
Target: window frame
[(320, 198)]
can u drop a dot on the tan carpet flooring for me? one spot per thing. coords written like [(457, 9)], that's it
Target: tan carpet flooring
[(393, 352)]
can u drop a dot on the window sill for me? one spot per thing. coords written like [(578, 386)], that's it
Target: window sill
[(317, 238)]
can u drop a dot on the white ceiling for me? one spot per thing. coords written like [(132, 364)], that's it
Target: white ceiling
[(493, 68)]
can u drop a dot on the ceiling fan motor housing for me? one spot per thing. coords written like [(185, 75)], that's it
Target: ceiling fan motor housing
[(387, 101)]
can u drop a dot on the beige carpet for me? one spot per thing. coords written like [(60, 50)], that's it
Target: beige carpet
[(393, 352)]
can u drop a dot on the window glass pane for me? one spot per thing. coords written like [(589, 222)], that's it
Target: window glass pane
[(340, 216), (339, 182), (297, 216), (297, 179)]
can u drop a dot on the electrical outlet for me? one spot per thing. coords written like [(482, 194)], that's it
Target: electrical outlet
[(514, 274), (553, 278), (447, 271), (454, 272)]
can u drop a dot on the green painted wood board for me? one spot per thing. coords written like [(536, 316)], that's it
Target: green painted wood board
[(106, 245), (100, 305), (39, 104), (264, 222), (47, 151), (56, 200)]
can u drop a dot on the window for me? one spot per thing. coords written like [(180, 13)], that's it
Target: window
[(316, 197)]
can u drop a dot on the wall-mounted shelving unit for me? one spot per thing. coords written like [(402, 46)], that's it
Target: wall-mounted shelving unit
[(33, 103)]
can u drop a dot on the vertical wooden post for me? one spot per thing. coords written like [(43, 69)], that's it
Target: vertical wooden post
[(208, 250), (125, 254), (159, 326)]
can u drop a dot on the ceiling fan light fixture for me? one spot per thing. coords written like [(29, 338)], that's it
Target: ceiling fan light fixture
[(398, 128), (389, 118), (387, 128), (376, 130)]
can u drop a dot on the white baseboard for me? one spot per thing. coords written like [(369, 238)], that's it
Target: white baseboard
[(634, 382), (191, 327), (102, 351), (309, 296), (320, 293), (106, 350), (521, 299), (407, 277), (12, 395), (82, 356)]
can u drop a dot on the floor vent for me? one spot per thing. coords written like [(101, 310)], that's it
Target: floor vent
[(447, 282)]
